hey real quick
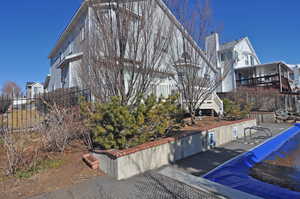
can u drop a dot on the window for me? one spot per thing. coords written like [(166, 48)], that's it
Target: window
[(64, 75), (82, 32), (70, 48), (61, 56), (252, 60), (186, 56), (222, 57), (247, 60), (207, 77)]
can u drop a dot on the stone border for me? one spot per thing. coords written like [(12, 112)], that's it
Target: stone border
[(123, 164)]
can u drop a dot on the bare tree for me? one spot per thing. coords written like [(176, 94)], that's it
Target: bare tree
[(61, 126), (197, 74), (10, 88), (126, 49)]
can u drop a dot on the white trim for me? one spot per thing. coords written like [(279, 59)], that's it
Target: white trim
[(252, 49), (68, 58), (68, 29)]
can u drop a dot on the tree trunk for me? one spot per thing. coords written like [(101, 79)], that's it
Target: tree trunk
[(193, 118)]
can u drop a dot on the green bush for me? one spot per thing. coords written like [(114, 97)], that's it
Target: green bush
[(117, 126), (4, 104), (235, 111)]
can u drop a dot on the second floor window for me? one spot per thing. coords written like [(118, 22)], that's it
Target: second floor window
[(247, 60), (82, 32), (252, 60), (222, 57)]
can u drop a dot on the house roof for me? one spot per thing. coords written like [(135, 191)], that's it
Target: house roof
[(69, 28), (230, 45), (162, 5), (30, 84), (268, 65)]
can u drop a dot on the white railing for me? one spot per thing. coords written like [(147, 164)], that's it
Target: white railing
[(218, 102), (214, 103)]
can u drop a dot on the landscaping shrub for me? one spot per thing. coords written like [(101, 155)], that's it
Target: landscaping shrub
[(234, 110), (117, 126), (5, 103), (61, 126), (18, 155)]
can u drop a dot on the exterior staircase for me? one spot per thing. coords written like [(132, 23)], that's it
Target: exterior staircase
[(213, 103)]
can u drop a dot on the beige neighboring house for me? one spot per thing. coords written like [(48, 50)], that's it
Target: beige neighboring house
[(33, 89)]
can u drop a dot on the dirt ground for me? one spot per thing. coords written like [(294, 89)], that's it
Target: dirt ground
[(72, 171), (205, 122), (282, 171)]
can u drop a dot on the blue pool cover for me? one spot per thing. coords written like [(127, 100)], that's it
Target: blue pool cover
[(235, 173)]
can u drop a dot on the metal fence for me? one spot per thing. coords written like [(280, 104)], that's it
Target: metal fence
[(26, 114)]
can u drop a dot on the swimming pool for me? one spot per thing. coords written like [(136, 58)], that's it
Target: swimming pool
[(236, 172)]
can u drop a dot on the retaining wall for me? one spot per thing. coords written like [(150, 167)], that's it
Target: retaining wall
[(264, 117), (126, 163)]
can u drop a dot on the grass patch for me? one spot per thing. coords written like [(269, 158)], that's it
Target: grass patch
[(21, 119), (3, 177), (41, 166)]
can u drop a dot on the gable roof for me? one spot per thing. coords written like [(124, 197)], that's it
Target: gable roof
[(69, 28), (183, 30), (161, 4), (230, 45), (33, 83)]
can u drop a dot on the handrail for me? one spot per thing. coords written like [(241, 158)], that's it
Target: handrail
[(218, 102)]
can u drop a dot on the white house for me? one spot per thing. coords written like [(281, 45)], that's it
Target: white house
[(33, 89), (246, 69), (65, 57), (233, 55), (296, 69)]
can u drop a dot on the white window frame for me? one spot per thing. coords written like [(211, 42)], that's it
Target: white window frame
[(82, 33)]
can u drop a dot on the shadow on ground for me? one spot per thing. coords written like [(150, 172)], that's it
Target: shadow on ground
[(200, 163)]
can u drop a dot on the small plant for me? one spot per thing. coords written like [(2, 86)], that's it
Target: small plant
[(117, 126), (14, 152), (39, 167), (235, 111)]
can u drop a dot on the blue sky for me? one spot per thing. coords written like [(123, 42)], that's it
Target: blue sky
[(30, 28)]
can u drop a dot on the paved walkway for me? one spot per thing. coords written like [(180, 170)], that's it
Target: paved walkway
[(152, 185)]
